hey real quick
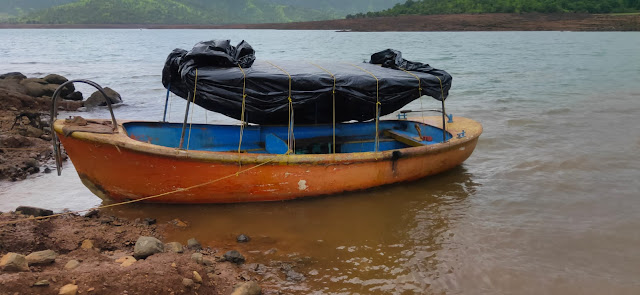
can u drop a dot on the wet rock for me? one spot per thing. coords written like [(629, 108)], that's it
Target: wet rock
[(97, 99), (187, 282), (72, 264), (242, 238), (149, 221), (34, 80), (55, 79), (247, 288), (197, 257), (30, 131), (14, 262), (174, 247), (37, 89), (69, 289), (147, 246), (197, 277), (270, 251), (87, 244), (13, 75), (193, 244), (75, 96), (27, 210), (294, 276), (178, 223), (233, 256), (41, 283), (42, 257), (47, 170), (31, 163), (46, 137)]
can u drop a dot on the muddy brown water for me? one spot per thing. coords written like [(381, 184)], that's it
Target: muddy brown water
[(547, 204)]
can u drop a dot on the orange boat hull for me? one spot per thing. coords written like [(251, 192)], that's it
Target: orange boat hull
[(117, 167)]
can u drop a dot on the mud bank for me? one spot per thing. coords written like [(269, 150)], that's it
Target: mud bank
[(450, 22), (99, 254)]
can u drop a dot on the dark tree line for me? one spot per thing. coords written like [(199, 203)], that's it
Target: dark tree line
[(505, 6)]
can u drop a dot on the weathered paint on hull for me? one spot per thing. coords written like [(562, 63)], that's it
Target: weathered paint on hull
[(120, 168)]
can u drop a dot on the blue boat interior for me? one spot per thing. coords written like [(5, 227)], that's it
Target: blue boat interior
[(309, 139)]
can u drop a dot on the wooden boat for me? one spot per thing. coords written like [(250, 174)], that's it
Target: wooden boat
[(142, 159)]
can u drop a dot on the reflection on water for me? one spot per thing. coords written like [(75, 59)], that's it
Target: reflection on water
[(375, 241)]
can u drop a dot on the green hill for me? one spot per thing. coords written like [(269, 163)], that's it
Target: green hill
[(505, 6), (173, 12), (183, 11)]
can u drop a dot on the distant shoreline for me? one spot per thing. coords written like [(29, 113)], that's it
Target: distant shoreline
[(451, 22)]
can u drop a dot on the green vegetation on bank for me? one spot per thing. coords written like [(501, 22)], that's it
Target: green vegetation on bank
[(505, 6)]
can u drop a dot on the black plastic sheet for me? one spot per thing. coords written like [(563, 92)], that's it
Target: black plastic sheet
[(270, 86)]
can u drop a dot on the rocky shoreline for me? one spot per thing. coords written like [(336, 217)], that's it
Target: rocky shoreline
[(101, 254), (25, 135)]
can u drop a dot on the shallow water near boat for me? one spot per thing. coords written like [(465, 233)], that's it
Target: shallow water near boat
[(547, 203)]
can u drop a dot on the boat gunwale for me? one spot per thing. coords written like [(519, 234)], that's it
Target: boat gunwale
[(473, 130)]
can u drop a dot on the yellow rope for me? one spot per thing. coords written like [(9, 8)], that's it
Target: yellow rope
[(195, 87), (244, 96), (333, 92), (419, 91), (145, 198), (291, 143), (378, 104)]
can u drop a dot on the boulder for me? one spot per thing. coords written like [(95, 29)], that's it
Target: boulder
[(233, 256), (42, 257), (30, 131), (34, 80), (197, 257), (14, 262), (147, 246), (197, 277), (13, 75), (242, 238), (41, 283), (36, 89), (96, 98), (27, 210), (72, 264), (126, 261), (187, 282), (247, 288), (68, 289), (55, 79), (76, 96), (174, 247), (194, 244), (87, 244)]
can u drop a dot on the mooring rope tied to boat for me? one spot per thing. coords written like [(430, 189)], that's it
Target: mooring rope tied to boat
[(291, 142), (333, 95), (378, 105), (149, 197), (195, 87), (244, 96)]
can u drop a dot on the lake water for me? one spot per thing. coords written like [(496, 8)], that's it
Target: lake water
[(549, 203)]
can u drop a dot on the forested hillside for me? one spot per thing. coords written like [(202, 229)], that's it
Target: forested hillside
[(173, 12), (505, 6), (342, 7)]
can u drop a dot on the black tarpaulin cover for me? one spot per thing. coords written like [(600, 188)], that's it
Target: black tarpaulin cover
[(268, 85)]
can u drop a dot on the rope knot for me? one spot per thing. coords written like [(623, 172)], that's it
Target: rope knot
[(289, 98)]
